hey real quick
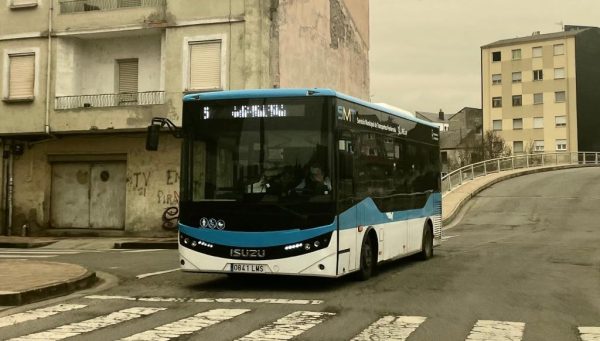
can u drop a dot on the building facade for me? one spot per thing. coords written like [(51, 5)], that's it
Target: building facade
[(462, 143), (539, 92), (82, 79)]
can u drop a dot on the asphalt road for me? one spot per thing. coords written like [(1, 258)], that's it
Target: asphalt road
[(527, 251)]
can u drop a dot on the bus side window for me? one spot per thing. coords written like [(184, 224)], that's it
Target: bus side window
[(346, 172)]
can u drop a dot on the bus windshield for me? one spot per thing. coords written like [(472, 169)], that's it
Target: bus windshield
[(268, 158)]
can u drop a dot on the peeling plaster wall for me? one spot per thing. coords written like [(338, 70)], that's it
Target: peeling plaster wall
[(320, 46), (152, 179)]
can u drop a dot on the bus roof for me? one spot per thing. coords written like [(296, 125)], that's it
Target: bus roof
[(298, 92)]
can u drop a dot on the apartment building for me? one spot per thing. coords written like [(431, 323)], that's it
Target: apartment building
[(81, 80), (540, 92)]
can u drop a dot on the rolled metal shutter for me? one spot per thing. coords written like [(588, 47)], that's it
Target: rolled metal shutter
[(205, 65), (21, 76), (23, 2), (128, 81)]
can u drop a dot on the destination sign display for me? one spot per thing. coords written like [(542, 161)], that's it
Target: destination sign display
[(254, 111)]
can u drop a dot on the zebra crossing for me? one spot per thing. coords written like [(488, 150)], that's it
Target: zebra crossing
[(287, 327)]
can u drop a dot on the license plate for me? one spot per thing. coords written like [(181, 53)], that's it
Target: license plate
[(258, 268)]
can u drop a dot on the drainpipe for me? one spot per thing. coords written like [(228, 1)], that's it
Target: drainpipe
[(9, 192), (48, 67), (4, 188)]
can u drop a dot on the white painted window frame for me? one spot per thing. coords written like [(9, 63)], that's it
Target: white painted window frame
[(538, 145), (6, 72), (540, 120), (186, 60), (560, 146), (494, 128), (31, 3), (561, 49), (558, 71), (534, 52)]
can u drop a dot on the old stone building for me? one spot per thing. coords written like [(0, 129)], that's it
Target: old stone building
[(82, 79)]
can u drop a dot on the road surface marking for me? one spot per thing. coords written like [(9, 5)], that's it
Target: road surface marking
[(186, 326), (45, 251), (206, 300), (27, 256), (288, 326), (445, 237), (156, 273), (497, 330), (589, 333), (393, 328), (87, 326), (144, 250), (35, 314)]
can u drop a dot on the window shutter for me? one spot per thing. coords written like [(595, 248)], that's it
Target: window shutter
[(128, 81), (205, 65), (129, 3), (21, 76)]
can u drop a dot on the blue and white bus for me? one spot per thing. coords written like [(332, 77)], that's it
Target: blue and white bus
[(249, 156)]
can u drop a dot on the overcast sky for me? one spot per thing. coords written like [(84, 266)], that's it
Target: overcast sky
[(425, 54)]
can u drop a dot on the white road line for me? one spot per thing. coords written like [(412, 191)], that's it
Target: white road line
[(40, 252), (186, 326), (497, 330), (393, 328), (207, 300), (589, 333), (27, 256), (144, 250), (35, 314), (156, 273), (288, 326), (87, 326), (445, 237)]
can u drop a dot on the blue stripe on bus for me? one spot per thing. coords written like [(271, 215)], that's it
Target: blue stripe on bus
[(369, 215), (366, 213), (255, 239)]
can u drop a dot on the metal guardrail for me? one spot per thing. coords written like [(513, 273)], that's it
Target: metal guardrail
[(76, 6), (467, 173), (110, 100)]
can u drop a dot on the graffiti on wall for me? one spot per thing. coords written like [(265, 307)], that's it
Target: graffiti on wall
[(170, 218), (138, 182)]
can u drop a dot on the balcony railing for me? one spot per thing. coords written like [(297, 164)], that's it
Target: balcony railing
[(110, 100), (77, 6), (457, 178)]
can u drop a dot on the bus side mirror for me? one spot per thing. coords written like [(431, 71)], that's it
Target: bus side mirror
[(152, 137)]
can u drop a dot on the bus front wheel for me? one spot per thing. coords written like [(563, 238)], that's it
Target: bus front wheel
[(368, 260)]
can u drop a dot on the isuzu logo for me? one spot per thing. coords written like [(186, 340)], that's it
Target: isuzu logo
[(247, 253)]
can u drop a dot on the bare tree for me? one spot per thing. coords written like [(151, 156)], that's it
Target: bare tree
[(494, 146)]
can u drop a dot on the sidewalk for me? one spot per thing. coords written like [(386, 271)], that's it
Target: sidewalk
[(25, 281)]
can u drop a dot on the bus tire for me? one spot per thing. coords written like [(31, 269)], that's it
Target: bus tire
[(368, 258), (427, 244)]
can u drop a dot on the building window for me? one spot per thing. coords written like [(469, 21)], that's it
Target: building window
[(496, 102), (560, 121), (517, 147), (561, 145), (497, 124), (536, 51), (205, 65), (559, 49), (517, 123), (129, 3), (497, 79), (538, 75), (444, 155), (516, 77), (559, 73), (538, 145), (127, 78), (538, 98), (516, 54), (559, 96), (517, 100), (14, 4), (20, 78), (538, 123), (496, 56)]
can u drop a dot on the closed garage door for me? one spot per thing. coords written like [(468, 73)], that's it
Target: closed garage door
[(88, 195)]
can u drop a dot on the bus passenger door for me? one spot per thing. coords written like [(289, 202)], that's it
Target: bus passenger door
[(347, 210)]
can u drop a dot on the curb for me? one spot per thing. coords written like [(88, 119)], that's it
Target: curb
[(147, 245), (448, 220), (84, 281), (25, 245)]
